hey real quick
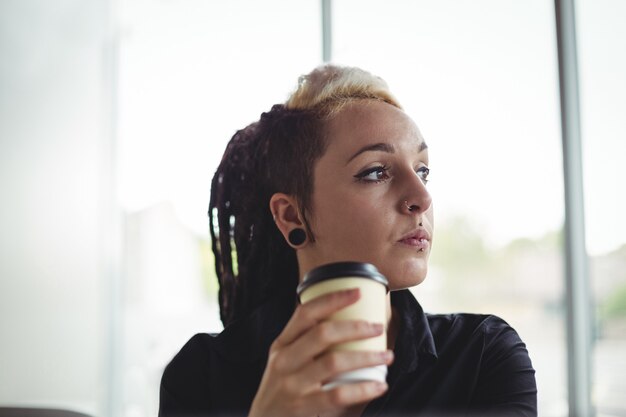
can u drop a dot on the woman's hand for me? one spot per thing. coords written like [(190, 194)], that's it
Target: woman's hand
[(300, 362)]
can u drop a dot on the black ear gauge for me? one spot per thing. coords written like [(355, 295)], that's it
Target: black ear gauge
[(297, 236)]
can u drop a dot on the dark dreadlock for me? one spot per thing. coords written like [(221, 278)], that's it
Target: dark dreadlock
[(275, 154)]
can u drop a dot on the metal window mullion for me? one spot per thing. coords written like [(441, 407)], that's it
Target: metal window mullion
[(577, 299), (110, 220), (326, 31)]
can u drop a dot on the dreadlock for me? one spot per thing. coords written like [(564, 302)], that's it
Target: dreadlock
[(260, 160)]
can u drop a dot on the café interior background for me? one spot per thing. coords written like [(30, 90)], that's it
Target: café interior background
[(114, 115)]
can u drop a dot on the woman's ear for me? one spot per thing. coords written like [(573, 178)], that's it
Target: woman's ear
[(288, 219)]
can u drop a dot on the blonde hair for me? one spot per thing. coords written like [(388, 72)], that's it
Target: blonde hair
[(328, 88)]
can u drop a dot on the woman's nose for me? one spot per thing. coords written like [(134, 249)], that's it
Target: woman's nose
[(417, 199)]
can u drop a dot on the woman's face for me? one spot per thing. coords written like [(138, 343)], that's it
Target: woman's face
[(375, 168)]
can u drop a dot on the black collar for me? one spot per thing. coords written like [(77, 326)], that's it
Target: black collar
[(414, 337)]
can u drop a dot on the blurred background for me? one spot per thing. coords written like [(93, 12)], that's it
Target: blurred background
[(114, 116)]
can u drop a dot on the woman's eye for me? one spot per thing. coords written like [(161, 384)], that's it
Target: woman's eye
[(375, 174), (423, 174)]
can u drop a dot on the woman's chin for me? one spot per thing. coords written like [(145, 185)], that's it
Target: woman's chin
[(406, 275)]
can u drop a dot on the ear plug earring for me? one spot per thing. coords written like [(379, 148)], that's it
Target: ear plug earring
[(297, 236)]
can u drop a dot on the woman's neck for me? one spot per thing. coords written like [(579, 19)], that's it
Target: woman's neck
[(392, 323)]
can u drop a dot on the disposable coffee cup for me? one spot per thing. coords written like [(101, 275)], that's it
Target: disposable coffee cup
[(370, 307)]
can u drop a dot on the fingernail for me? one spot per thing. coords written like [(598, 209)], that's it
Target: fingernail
[(387, 355), (376, 327), (349, 292), (380, 386)]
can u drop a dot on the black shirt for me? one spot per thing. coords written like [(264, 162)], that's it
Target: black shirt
[(445, 365)]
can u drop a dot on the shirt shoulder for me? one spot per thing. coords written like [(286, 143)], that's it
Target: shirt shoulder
[(462, 327), (219, 373), (201, 380), (208, 353), (504, 382), (186, 378)]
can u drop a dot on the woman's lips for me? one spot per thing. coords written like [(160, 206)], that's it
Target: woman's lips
[(418, 239)]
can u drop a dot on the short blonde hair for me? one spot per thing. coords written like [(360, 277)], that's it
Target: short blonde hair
[(328, 88)]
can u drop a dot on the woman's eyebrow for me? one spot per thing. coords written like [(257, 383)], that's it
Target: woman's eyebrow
[(382, 147)]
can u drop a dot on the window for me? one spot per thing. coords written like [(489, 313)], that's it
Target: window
[(602, 60)]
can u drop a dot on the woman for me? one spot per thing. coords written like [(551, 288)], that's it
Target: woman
[(337, 173)]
